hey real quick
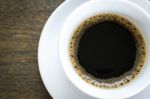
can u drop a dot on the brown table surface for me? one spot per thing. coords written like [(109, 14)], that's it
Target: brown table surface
[(21, 22)]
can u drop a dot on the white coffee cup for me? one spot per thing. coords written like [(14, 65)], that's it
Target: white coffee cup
[(122, 7)]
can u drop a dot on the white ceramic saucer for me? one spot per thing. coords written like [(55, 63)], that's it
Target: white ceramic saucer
[(50, 68)]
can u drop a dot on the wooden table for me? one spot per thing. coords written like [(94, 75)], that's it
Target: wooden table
[(21, 22)]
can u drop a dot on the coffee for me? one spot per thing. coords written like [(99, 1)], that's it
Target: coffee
[(107, 50)]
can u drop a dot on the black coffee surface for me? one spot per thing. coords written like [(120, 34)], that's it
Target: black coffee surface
[(106, 50)]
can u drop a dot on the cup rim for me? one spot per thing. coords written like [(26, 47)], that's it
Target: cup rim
[(73, 77)]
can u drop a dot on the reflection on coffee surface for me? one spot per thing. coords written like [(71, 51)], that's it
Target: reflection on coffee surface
[(107, 50)]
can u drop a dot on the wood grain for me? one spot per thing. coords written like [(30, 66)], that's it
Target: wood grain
[(21, 22)]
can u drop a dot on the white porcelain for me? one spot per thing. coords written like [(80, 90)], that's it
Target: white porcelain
[(132, 12), (145, 4), (54, 79), (51, 71)]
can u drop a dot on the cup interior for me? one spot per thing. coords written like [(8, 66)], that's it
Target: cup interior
[(129, 10)]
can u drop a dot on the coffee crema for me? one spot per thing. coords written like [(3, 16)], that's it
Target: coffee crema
[(107, 50)]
